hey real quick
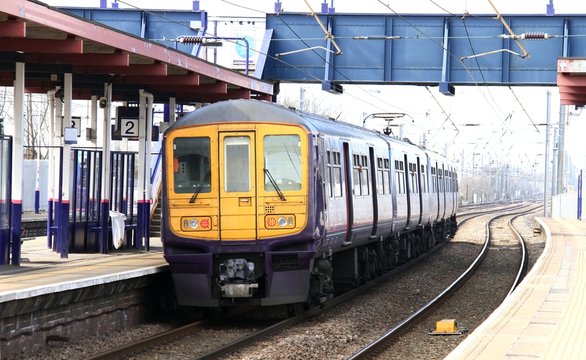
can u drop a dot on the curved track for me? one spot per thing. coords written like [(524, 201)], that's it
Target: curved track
[(250, 337), (378, 345)]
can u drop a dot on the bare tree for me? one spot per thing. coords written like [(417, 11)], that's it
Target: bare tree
[(35, 124), (311, 104), (36, 127), (5, 98)]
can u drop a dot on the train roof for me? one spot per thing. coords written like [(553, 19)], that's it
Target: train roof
[(237, 111), (260, 111)]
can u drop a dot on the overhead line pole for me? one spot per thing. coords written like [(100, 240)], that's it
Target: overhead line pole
[(546, 176)]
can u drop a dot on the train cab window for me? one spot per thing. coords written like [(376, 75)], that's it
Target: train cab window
[(236, 164), (282, 161), (400, 177), (191, 165)]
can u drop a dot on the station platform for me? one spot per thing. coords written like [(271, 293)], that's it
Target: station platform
[(545, 317), (43, 271)]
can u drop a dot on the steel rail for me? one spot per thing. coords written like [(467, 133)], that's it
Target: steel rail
[(379, 344), (172, 335), (134, 347), (524, 254)]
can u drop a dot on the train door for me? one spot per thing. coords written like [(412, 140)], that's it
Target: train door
[(408, 187), (374, 192), (348, 191), (237, 215), (442, 190), (421, 189), (434, 176)]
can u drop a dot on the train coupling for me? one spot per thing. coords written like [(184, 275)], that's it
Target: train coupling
[(237, 278)]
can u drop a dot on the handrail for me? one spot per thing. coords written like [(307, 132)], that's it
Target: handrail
[(156, 181)]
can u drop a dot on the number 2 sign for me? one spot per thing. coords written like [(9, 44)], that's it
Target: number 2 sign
[(128, 127)]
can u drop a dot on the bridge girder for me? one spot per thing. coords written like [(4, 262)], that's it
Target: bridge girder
[(422, 49)]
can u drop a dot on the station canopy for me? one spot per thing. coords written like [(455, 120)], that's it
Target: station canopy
[(52, 42)]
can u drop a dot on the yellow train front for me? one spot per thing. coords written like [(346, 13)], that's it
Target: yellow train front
[(236, 205)]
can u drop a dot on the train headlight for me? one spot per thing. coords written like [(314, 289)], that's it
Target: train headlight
[(200, 223), (275, 222), (282, 221)]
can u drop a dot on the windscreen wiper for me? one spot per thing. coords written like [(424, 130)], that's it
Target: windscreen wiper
[(195, 193), (199, 187), (274, 183)]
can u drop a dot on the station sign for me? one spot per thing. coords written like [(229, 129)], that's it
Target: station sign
[(127, 122), (74, 123)]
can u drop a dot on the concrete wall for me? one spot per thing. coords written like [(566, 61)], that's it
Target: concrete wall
[(28, 325), (29, 184), (565, 206)]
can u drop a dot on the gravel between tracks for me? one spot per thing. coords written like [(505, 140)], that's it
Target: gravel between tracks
[(343, 330)]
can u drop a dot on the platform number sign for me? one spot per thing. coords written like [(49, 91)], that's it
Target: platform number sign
[(74, 123), (128, 127)]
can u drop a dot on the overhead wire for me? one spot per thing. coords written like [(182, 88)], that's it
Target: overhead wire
[(480, 69), (335, 69), (525, 110), (315, 78), (466, 68), (448, 117), (469, 38)]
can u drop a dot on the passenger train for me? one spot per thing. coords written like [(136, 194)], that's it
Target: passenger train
[(266, 205)]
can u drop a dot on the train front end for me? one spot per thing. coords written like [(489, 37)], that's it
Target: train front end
[(235, 213)]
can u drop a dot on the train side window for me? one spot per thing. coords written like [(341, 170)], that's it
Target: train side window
[(360, 175), (423, 179), (413, 177), (433, 180), (336, 174), (282, 159), (364, 177), (191, 165), (446, 181), (382, 176), (237, 164), (400, 177), (386, 177), (356, 170), (329, 174)]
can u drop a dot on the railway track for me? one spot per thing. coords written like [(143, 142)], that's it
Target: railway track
[(379, 346), (251, 335)]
